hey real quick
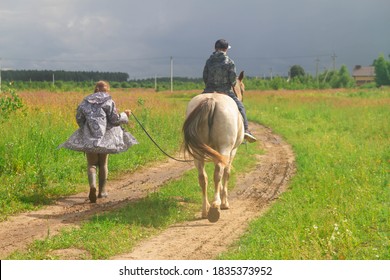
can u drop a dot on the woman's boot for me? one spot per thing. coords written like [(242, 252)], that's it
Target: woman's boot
[(92, 187), (102, 189)]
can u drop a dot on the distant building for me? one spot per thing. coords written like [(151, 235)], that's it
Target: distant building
[(363, 74)]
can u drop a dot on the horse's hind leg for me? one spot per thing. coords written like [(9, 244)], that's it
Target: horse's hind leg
[(203, 181), (213, 215), (225, 181), (224, 191), (218, 175)]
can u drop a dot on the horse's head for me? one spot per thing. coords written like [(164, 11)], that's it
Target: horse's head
[(239, 87)]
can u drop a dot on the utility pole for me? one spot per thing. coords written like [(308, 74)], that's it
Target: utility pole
[(0, 74), (326, 75), (334, 61), (317, 63), (270, 71), (155, 82), (289, 74), (171, 74)]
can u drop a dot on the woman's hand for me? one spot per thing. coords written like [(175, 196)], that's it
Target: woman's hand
[(128, 112)]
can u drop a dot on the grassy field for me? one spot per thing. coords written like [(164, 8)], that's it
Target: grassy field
[(34, 172), (337, 206), (338, 203)]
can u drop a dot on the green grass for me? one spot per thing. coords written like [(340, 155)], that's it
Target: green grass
[(34, 172), (337, 206), (110, 234)]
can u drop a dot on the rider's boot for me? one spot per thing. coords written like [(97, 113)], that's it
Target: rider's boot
[(249, 137)]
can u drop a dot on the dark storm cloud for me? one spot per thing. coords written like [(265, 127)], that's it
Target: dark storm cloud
[(139, 37)]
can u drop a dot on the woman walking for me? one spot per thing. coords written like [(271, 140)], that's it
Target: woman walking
[(99, 135)]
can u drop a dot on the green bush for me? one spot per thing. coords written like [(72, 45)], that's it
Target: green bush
[(9, 103)]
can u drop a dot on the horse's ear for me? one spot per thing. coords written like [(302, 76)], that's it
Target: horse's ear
[(241, 76)]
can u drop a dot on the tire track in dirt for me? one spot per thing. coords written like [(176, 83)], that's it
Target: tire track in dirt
[(197, 239), (20, 230), (200, 239)]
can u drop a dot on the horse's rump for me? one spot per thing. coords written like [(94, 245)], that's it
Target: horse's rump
[(196, 131)]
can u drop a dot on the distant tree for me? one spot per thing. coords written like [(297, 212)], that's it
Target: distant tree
[(382, 71), (296, 71), (344, 79), (339, 79)]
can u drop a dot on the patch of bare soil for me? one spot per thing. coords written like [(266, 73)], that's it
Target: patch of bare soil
[(198, 239)]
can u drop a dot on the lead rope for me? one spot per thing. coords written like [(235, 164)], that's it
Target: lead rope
[(151, 138)]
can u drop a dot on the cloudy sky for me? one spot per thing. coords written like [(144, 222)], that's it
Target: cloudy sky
[(140, 37)]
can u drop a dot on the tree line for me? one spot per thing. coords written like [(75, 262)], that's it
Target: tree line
[(296, 80), (329, 79), (61, 75)]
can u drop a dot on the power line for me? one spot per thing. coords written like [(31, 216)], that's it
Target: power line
[(284, 57), (159, 61), (157, 58)]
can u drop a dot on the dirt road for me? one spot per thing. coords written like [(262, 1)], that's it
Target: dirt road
[(198, 239)]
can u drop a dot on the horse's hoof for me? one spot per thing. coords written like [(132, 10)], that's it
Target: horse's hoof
[(224, 207), (213, 215), (92, 195)]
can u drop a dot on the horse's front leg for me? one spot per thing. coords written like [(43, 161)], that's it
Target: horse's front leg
[(203, 181)]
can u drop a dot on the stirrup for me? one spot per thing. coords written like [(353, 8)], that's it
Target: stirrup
[(249, 137)]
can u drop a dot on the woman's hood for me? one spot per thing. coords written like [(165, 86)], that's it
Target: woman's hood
[(98, 98)]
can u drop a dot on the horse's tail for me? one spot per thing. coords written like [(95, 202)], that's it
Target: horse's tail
[(201, 118)]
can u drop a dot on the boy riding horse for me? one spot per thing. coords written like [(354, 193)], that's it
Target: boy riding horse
[(219, 75)]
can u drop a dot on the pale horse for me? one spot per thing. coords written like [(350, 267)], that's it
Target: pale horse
[(213, 130)]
